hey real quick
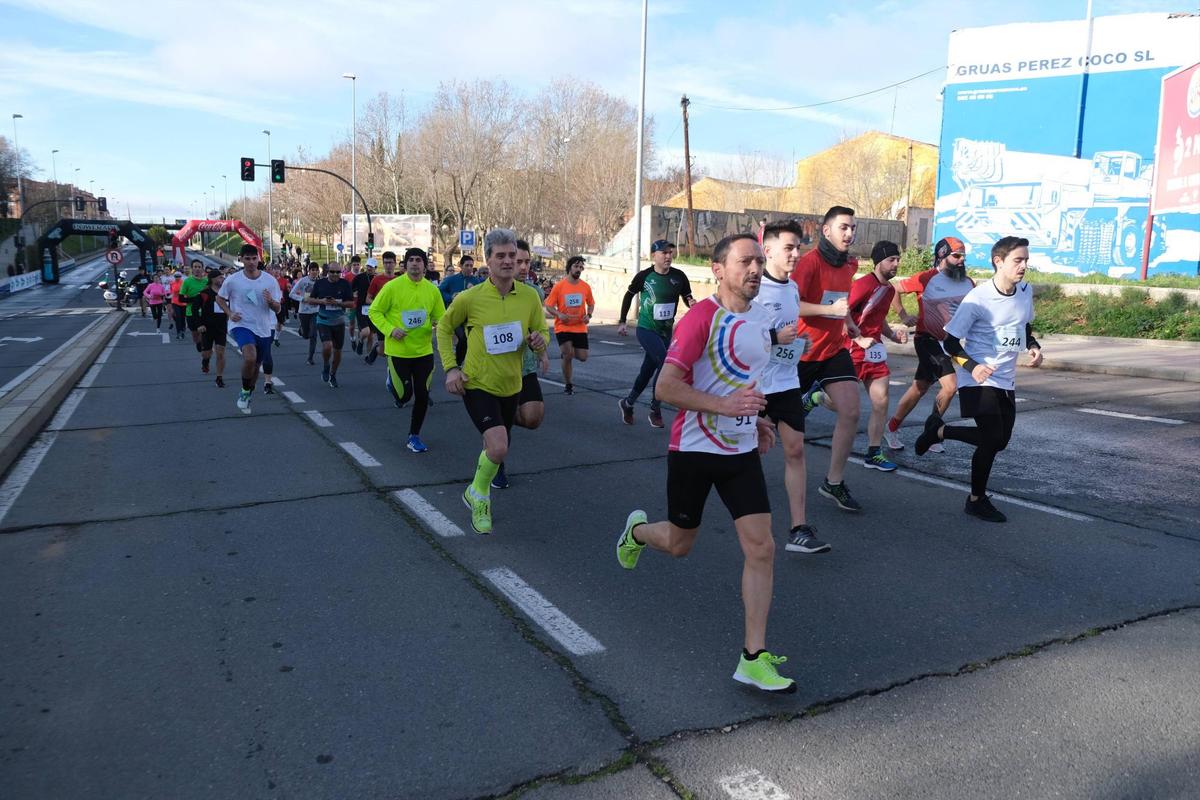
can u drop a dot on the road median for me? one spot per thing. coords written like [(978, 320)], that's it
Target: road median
[(26, 409)]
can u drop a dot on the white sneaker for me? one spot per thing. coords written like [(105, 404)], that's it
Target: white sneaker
[(243, 402), (892, 439), (936, 447)]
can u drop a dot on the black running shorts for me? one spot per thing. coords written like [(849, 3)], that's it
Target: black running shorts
[(488, 411), (578, 340), (932, 362), (332, 333), (738, 478), (531, 389), (838, 367), (787, 406)]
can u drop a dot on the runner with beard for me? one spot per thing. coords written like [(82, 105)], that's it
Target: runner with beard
[(939, 291), (571, 304), (870, 299), (824, 275)]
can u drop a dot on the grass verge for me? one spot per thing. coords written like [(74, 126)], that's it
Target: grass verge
[(1131, 315)]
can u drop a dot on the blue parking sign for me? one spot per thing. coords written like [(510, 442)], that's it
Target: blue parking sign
[(466, 239)]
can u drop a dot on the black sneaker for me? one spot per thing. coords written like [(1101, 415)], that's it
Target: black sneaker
[(333, 381), (655, 417), (311, 363), (569, 388), (371, 356), (803, 539), (984, 509), (220, 382), (626, 411), (840, 495), (277, 343), (929, 436), (268, 388), (500, 479)]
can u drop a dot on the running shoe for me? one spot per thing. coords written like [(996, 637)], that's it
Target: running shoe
[(371, 356), (416, 445), (333, 384), (762, 673), (311, 363), (243, 401), (803, 539), (204, 367), (628, 549), (655, 417), (277, 342), (984, 509), (325, 375), (500, 479), (220, 382), (929, 436), (268, 388), (811, 400), (569, 388), (626, 411), (840, 495), (892, 439), (880, 462), (481, 510), (936, 447)]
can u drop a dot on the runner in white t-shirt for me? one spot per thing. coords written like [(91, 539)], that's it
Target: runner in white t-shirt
[(251, 298), (712, 375), (991, 327), (780, 298)]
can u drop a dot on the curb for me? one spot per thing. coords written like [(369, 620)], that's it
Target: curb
[(1184, 374), (17, 435)]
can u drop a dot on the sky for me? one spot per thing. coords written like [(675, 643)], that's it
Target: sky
[(154, 102)]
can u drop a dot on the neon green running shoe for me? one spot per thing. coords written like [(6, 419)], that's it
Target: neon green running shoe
[(629, 550), (481, 510), (762, 673)]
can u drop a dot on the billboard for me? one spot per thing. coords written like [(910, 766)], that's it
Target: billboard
[(394, 232), (1177, 178), (1033, 146)]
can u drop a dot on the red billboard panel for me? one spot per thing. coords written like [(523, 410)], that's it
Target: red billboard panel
[(1177, 170)]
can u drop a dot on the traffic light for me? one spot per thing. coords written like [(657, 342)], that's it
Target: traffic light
[(370, 241), (103, 205), (277, 170), (79, 204), (247, 169)]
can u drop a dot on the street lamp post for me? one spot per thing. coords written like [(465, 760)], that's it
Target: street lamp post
[(214, 198), (641, 123), (226, 179), (353, 148), (17, 149), (269, 228), (54, 167), (92, 208)]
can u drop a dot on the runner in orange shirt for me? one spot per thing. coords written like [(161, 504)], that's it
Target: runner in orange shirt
[(571, 305)]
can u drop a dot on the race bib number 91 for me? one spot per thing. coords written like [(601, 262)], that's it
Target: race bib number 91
[(736, 427)]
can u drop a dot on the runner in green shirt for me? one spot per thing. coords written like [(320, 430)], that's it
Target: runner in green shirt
[(659, 289), (189, 293), (405, 312), (501, 318)]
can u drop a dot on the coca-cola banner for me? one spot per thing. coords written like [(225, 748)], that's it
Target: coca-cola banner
[(193, 226)]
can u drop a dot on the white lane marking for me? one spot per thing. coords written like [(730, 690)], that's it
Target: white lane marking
[(438, 522), (66, 410), (1122, 415), (44, 360), (318, 418), (295, 398), (618, 344), (897, 383), (358, 454), (106, 352), (277, 381), (1016, 501), (292, 331), (752, 785), (166, 337), (561, 627), (547, 380), (1021, 400)]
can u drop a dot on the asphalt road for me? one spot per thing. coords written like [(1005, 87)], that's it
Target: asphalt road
[(204, 604)]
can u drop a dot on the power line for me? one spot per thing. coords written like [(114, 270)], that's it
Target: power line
[(830, 102)]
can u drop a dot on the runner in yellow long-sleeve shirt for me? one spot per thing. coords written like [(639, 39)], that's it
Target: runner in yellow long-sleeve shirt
[(501, 317)]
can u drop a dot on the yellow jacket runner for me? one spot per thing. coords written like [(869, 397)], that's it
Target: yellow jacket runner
[(497, 330), (415, 306)]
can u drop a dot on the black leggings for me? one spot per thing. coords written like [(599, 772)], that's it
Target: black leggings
[(995, 413), (308, 330), (156, 312), (410, 377), (180, 313)]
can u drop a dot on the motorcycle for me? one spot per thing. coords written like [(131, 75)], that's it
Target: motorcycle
[(120, 297)]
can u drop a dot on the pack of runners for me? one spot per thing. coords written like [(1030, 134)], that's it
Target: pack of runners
[(785, 333)]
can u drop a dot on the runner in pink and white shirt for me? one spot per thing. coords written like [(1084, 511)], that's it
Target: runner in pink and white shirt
[(711, 374)]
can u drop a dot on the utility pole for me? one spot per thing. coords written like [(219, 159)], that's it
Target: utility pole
[(687, 178), (908, 200), (641, 127)]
